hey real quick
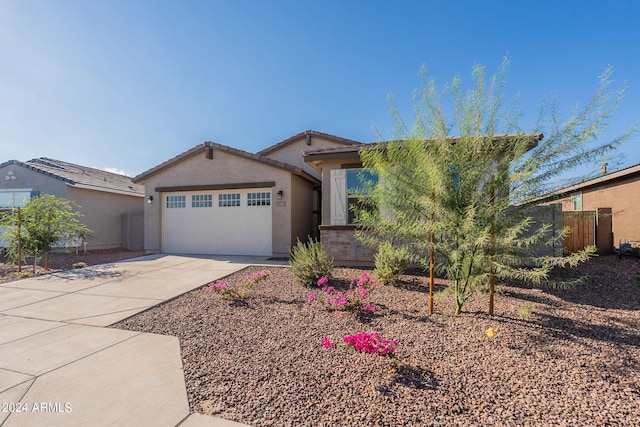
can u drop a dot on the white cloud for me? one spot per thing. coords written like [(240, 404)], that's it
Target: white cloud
[(115, 170)]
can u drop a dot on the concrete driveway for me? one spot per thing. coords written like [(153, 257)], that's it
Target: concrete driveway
[(60, 366)]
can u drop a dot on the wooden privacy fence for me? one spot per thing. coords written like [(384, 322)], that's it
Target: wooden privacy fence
[(583, 230)]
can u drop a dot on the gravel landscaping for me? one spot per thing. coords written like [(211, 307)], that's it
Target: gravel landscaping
[(562, 358)]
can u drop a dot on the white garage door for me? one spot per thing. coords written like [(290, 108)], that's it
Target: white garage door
[(226, 222)]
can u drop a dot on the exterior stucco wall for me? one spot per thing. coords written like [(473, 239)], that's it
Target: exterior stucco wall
[(292, 152), (102, 213), (224, 168), (622, 197), (26, 178)]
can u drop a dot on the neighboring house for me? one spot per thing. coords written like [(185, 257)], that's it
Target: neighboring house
[(341, 169), (215, 199), (611, 203), (110, 203)]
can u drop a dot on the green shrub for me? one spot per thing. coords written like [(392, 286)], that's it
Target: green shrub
[(526, 311), (391, 262), (309, 262)]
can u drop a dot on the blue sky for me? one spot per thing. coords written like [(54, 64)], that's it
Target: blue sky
[(128, 84)]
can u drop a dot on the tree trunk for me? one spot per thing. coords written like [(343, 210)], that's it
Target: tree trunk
[(459, 298), (492, 250), (19, 241)]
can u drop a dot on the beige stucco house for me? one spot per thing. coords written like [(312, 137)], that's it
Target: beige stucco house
[(111, 204), (215, 199), (613, 199)]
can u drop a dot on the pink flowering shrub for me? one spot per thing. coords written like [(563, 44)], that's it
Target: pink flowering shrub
[(371, 343), (327, 343), (354, 299), (247, 285), (364, 342)]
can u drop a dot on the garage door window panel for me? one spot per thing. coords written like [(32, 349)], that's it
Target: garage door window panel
[(259, 199), (201, 201), (228, 200), (174, 202)]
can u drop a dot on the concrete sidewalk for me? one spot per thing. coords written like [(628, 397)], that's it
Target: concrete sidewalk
[(59, 365)]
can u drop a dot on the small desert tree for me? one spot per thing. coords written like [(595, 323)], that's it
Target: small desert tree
[(44, 221), (470, 197)]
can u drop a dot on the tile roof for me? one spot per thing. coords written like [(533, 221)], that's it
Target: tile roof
[(81, 176), (338, 152), (307, 133), (606, 179), (201, 147)]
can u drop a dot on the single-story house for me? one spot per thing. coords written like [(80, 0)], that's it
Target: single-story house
[(215, 199), (611, 203), (111, 205)]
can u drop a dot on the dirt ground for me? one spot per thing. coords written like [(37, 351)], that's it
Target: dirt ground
[(62, 261)]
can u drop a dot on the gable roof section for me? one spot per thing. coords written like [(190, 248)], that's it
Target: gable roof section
[(307, 134), (81, 176), (352, 151), (611, 178), (220, 147), (328, 153)]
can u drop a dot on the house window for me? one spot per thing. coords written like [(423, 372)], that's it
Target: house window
[(15, 199), (455, 178), (201, 201), (359, 185), (349, 188), (176, 202), (228, 199), (576, 201), (259, 199)]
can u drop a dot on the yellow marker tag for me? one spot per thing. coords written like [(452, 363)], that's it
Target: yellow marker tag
[(490, 332)]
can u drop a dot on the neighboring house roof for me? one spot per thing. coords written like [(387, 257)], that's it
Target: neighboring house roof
[(81, 176), (611, 178), (201, 147), (307, 134), (352, 151)]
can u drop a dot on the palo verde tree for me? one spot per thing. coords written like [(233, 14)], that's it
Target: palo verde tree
[(45, 221), (461, 183)]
